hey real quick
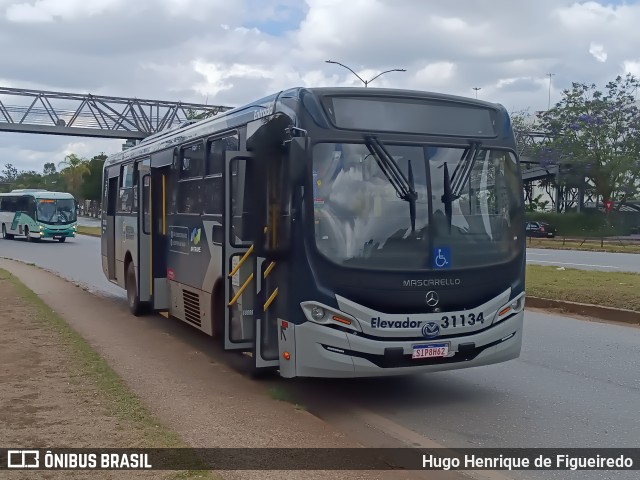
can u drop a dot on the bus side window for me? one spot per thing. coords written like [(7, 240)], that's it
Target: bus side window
[(22, 204), (134, 190), (213, 183), (31, 208), (190, 179), (125, 203)]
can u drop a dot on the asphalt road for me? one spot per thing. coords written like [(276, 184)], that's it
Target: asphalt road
[(78, 260), (577, 383), (604, 261)]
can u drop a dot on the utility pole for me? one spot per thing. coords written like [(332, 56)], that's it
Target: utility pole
[(366, 82), (476, 89)]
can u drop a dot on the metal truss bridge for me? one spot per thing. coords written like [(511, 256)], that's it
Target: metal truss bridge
[(532, 170), (87, 115)]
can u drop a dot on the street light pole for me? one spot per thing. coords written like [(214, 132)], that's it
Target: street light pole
[(549, 101), (366, 82), (476, 89)]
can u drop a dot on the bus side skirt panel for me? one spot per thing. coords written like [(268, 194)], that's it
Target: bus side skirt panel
[(161, 294), (190, 305)]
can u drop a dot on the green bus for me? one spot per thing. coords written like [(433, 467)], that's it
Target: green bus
[(37, 214)]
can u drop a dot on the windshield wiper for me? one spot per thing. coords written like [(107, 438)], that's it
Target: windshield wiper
[(454, 185), (404, 187)]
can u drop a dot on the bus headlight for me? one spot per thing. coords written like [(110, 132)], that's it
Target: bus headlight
[(317, 313), (325, 315)]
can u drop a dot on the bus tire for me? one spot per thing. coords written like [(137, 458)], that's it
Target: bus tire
[(5, 235), (133, 297)]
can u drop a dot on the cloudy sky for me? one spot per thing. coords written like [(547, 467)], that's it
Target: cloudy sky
[(234, 51)]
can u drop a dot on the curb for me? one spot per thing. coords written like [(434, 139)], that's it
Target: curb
[(586, 309)]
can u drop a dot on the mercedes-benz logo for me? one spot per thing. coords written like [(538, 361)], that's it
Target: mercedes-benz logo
[(432, 298)]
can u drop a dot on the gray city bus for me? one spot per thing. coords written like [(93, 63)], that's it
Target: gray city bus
[(329, 232)]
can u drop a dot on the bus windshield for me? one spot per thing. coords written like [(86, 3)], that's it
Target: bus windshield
[(361, 221), (56, 211)]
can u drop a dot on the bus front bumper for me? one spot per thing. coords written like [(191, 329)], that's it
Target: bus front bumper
[(57, 233), (321, 351)]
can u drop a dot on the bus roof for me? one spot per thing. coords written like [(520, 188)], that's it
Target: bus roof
[(38, 194), (241, 115)]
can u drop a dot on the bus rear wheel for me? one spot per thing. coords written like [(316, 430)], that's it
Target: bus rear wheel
[(5, 235)]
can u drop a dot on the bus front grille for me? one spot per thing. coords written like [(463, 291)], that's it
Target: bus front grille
[(191, 303)]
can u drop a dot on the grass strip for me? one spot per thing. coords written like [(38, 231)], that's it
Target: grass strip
[(588, 246), (608, 289), (92, 231), (120, 400)]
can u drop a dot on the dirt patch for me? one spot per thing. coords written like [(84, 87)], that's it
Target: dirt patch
[(48, 398)]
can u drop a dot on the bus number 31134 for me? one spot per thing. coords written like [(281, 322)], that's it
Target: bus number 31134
[(461, 320)]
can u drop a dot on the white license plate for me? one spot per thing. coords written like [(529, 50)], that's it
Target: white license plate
[(431, 350)]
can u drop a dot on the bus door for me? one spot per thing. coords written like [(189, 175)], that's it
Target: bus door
[(158, 201), (142, 199), (244, 272), (161, 164), (109, 220)]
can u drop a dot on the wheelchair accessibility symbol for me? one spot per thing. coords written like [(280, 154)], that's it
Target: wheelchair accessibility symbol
[(441, 258)]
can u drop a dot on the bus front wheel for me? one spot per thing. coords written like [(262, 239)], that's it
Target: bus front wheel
[(133, 297)]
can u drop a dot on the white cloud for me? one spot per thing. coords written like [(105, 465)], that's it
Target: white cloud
[(598, 52), (632, 67), (234, 52), (437, 74), (50, 10)]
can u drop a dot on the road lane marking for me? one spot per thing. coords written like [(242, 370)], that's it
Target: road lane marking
[(536, 253), (576, 264)]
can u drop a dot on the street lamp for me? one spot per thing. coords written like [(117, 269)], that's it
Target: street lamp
[(366, 82), (549, 102), (476, 89)]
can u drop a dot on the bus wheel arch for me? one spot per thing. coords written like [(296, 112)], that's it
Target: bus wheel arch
[(131, 286)]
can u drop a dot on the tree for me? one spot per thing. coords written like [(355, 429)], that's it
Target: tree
[(599, 133), (92, 186), (28, 179), (73, 171), (49, 169), (9, 173)]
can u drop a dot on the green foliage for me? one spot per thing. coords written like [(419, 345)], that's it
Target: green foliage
[(599, 133), (77, 176), (538, 205), (74, 168), (9, 173), (92, 185), (591, 224)]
